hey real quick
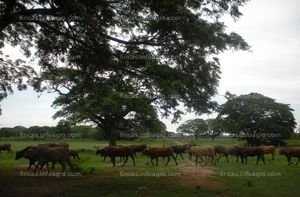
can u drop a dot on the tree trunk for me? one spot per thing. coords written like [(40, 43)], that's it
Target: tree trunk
[(112, 141), (112, 137)]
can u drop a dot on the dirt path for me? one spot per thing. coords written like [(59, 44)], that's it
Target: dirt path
[(193, 175)]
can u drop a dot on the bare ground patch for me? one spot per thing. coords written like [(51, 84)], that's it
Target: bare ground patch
[(193, 175)]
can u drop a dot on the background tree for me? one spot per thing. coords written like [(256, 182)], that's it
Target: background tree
[(146, 55), (197, 127), (257, 119), (214, 128), (63, 128)]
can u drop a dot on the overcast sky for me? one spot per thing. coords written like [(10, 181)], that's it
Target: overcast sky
[(271, 27)]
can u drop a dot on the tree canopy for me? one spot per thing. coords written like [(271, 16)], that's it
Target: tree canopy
[(257, 119), (197, 127), (118, 63)]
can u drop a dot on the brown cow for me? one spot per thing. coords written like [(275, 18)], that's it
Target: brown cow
[(6, 147), (244, 152), (188, 146), (179, 149), (269, 150), (291, 152), (155, 153), (44, 155), (31, 158), (63, 145), (225, 151), (74, 154), (116, 151), (137, 148), (202, 151)]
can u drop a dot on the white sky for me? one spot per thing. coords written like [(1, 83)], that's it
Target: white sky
[(271, 27)]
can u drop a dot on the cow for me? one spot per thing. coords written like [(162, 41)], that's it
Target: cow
[(202, 151), (224, 151), (290, 152), (179, 149), (44, 155), (155, 153), (74, 154), (6, 147), (116, 151), (245, 152), (269, 150)]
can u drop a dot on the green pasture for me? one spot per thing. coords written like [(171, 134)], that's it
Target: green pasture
[(99, 178)]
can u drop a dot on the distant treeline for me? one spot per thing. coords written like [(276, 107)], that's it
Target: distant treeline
[(81, 131), (39, 132)]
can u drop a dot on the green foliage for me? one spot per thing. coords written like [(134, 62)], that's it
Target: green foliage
[(214, 129), (196, 127), (257, 119), (46, 132), (157, 53)]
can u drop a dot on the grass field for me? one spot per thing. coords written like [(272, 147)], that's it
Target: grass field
[(95, 177)]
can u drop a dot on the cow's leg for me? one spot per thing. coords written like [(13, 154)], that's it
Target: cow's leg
[(201, 158), (227, 158), (113, 160), (168, 159), (47, 165), (237, 159), (126, 159), (42, 165), (174, 159), (69, 164), (289, 160), (104, 158), (156, 161), (78, 157), (63, 166), (263, 158), (152, 161), (31, 162), (53, 166), (257, 159), (196, 161), (36, 167), (213, 159), (206, 160), (181, 156), (273, 156), (132, 159)]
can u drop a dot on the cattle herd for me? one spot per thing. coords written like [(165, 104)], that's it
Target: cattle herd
[(43, 154)]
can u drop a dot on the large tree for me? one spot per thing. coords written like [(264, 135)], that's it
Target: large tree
[(214, 128), (256, 119), (118, 63), (197, 127)]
